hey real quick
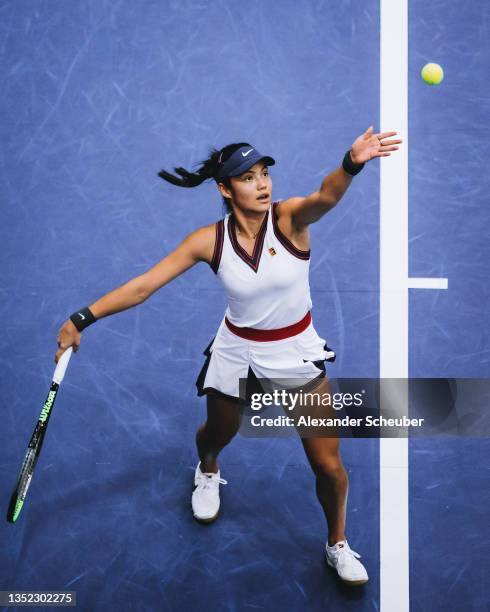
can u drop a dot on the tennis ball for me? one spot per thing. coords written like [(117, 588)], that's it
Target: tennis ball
[(432, 74)]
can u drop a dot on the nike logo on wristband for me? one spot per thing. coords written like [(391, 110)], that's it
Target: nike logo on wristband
[(81, 316)]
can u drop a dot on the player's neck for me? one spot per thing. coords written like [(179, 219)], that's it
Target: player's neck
[(248, 223)]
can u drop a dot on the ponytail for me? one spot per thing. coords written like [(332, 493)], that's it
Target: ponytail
[(186, 178), (208, 170)]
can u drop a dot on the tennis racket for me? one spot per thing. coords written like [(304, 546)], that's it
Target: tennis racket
[(35, 445)]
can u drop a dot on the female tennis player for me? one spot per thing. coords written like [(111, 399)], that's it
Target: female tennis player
[(260, 251)]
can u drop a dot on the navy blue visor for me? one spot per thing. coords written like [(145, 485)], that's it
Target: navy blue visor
[(241, 161)]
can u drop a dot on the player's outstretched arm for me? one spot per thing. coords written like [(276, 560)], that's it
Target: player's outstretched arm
[(306, 210), (198, 246)]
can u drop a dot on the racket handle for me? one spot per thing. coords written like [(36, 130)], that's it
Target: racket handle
[(60, 370)]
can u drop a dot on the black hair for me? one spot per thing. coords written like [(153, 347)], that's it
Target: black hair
[(208, 170)]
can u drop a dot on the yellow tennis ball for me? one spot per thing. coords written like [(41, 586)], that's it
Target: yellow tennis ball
[(432, 74)]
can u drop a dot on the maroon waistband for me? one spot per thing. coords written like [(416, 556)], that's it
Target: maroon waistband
[(265, 335)]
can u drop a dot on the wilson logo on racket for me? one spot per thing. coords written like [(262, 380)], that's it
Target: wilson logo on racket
[(47, 406)]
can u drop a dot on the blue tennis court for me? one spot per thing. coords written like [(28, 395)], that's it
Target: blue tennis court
[(100, 96)]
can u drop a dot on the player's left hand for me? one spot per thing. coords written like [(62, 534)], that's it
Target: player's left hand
[(369, 145)]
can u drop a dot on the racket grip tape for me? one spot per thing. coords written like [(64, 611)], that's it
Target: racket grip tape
[(61, 366)]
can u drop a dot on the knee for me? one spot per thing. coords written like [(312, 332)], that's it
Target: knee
[(329, 467), (219, 437)]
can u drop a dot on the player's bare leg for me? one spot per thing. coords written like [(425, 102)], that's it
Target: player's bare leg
[(331, 478), (323, 453), (222, 424), (220, 427)]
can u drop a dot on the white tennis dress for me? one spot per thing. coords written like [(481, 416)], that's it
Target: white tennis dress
[(267, 291)]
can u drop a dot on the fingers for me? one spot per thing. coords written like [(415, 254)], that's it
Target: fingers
[(68, 336), (388, 145), (368, 133), (59, 352), (391, 142), (382, 135), (63, 348)]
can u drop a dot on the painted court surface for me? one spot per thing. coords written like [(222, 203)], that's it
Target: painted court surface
[(97, 97)]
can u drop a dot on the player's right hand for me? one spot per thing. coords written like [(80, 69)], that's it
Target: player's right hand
[(68, 335)]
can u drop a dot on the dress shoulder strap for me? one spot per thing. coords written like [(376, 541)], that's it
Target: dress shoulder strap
[(218, 245)]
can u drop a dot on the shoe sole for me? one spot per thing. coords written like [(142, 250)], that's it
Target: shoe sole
[(347, 582), (205, 521)]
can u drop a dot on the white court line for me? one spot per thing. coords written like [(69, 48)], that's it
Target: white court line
[(393, 348), (427, 283), (394, 286)]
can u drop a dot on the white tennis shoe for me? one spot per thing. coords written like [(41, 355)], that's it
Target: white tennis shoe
[(343, 559), (205, 497)]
